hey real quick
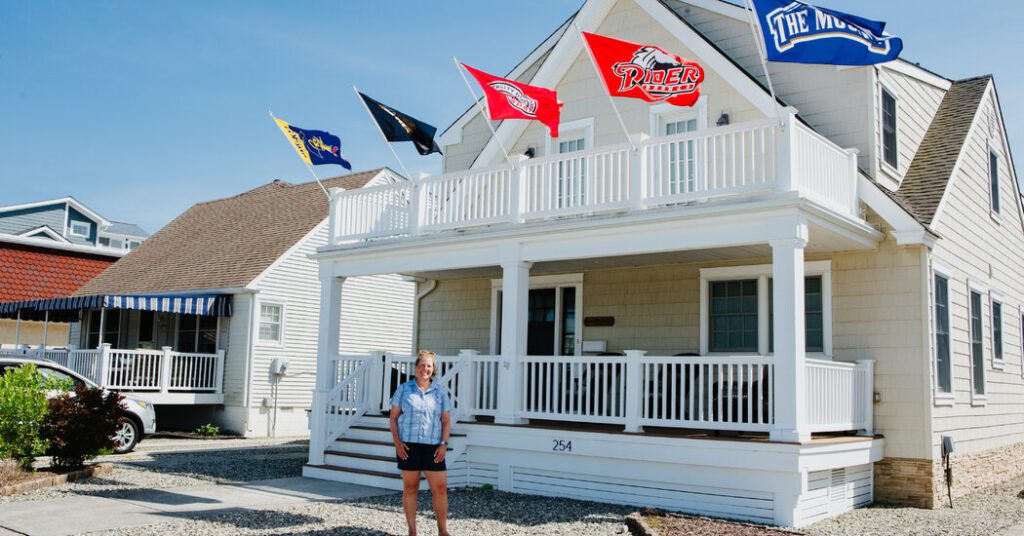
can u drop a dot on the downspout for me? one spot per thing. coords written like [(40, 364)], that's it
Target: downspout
[(430, 285), (17, 330), (246, 385)]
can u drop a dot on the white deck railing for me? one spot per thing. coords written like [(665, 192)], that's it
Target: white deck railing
[(138, 370), (719, 162), (700, 392), (840, 396)]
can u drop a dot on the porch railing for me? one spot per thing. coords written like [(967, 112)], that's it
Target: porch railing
[(740, 159), (161, 370), (700, 392)]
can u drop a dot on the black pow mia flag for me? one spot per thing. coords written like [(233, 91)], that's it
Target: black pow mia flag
[(397, 126)]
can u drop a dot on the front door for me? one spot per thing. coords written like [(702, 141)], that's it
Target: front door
[(540, 326), (552, 322)]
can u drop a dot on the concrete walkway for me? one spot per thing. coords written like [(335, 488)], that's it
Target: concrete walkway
[(1016, 530), (89, 513)]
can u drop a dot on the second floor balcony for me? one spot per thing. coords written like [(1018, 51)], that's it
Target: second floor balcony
[(764, 157)]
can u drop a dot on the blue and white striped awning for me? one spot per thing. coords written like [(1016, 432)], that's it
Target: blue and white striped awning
[(195, 304)]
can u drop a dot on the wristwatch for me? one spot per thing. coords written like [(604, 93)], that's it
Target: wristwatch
[(444, 443)]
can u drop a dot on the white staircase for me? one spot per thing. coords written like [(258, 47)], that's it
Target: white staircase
[(365, 455)]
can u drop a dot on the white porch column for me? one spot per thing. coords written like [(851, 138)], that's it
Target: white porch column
[(467, 385), (789, 359), (17, 329), (328, 337), (515, 292), (634, 390)]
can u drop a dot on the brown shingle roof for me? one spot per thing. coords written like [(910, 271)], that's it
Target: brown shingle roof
[(224, 243), (926, 180)]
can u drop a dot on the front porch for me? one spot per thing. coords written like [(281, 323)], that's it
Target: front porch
[(167, 349)]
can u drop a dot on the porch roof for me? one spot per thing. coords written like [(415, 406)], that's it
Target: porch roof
[(185, 303)]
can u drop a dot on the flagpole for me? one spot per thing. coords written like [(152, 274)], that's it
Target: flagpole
[(593, 61), (386, 142), (762, 52), (309, 167), (458, 65)]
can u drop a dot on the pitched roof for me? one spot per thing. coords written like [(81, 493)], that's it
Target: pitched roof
[(122, 228), (35, 273), (225, 243), (925, 182)]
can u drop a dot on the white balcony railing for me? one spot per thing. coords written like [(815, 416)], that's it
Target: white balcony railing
[(161, 371), (741, 159)]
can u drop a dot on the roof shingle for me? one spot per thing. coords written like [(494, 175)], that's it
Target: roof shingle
[(224, 243), (925, 182), (36, 273)]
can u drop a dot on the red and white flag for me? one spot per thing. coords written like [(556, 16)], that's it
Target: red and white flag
[(645, 72), (508, 99)]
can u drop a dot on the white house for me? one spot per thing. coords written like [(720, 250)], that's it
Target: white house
[(214, 317), (770, 311)]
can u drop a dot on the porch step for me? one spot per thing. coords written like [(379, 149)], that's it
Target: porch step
[(377, 479), (364, 454)]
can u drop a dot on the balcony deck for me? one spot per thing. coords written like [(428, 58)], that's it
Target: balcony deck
[(760, 157)]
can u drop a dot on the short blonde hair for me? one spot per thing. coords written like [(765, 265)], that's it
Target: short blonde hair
[(426, 354)]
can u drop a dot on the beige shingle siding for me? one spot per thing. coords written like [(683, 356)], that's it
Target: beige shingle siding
[(224, 243), (916, 106), (974, 245), (456, 316)]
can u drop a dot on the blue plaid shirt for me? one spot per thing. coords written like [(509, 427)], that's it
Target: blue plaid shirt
[(420, 420)]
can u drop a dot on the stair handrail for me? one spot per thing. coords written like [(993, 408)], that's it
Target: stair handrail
[(448, 377), (361, 400)]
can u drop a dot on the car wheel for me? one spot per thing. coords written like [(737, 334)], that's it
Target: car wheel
[(126, 435)]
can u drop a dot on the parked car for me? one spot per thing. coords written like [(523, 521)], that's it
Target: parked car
[(138, 420)]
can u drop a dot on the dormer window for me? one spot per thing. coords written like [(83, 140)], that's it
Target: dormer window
[(890, 150), (80, 229)]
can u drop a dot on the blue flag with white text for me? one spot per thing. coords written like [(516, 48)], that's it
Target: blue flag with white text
[(797, 32)]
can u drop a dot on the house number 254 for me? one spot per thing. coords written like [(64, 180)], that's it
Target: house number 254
[(561, 445)]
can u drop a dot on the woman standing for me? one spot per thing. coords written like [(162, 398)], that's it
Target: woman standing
[(420, 426)]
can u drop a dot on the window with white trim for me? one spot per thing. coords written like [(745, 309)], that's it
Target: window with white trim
[(271, 322), (890, 148), (80, 229), (943, 368), (997, 334), (993, 180), (977, 346), (737, 305), (733, 316)]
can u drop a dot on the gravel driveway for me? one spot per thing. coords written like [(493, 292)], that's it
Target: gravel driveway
[(478, 512), (168, 465)]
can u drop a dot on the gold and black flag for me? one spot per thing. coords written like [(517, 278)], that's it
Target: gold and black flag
[(397, 126)]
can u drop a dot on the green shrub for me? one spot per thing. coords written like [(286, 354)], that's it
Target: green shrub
[(208, 430), (80, 427), (487, 486), (23, 406)]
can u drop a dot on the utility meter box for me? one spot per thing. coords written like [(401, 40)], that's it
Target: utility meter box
[(279, 366)]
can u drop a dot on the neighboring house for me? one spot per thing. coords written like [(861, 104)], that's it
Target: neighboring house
[(68, 221), (48, 249), (36, 269), (785, 315), (203, 316)]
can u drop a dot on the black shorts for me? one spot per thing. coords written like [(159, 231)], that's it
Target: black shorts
[(421, 458)]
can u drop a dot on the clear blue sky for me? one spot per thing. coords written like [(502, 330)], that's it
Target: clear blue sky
[(140, 109)]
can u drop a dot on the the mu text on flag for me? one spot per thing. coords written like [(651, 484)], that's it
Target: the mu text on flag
[(797, 32), (645, 72), (508, 99), (315, 147)]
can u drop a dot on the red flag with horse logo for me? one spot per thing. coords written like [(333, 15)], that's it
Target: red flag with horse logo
[(645, 72)]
